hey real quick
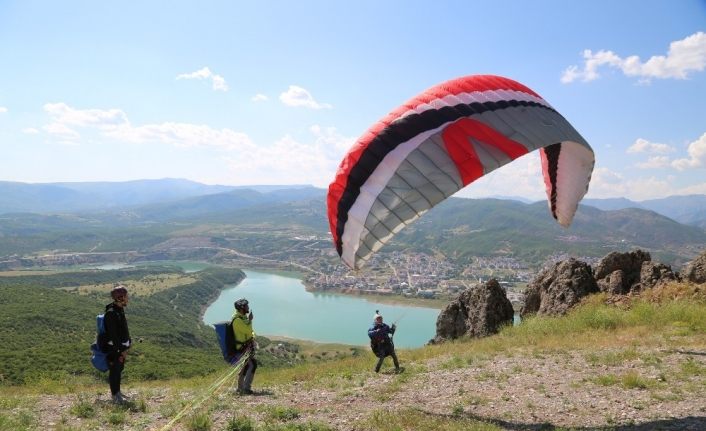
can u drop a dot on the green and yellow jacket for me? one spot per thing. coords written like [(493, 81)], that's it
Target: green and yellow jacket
[(242, 329)]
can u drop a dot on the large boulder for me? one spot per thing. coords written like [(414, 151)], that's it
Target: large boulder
[(558, 288), (617, 272), (695, 271), (477, 312), (653, 274)]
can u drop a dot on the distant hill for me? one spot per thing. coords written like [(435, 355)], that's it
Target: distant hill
[(612, 203), (215, 205), (463, 227), (73, 197), (458, 227), (688, 209), (466, 227), (18, 197), (171, 198)]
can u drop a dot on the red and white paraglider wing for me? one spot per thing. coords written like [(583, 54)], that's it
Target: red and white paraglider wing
[(439, 142)]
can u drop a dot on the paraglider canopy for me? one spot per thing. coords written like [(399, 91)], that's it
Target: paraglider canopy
[(441, 141)]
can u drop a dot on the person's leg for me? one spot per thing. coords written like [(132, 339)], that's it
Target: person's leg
[(114, 375), (249, 375), (241, 378), (394, 359), (379, 364)]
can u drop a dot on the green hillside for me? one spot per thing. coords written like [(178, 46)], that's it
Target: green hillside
[(466, 227), (47, 328)]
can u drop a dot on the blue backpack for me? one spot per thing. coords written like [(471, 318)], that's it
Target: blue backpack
[(226, 340), (98, 358)]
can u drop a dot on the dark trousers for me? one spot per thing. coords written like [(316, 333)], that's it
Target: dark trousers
[(115, 372), (247, 374), (382, 358)]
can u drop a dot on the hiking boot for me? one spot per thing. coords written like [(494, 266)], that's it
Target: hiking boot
[(244, 392), (119, 399)]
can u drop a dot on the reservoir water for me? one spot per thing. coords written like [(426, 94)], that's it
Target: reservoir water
[(282, 307)]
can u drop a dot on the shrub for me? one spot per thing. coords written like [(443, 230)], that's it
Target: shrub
[(241, 423), (83, 409), (199, 422)]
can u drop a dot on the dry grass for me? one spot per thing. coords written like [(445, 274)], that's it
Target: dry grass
[(146, 286)]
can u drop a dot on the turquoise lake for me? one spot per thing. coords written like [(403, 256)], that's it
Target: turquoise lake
[(282, 307)]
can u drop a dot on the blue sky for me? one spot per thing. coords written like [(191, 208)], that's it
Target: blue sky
[(274, 92)]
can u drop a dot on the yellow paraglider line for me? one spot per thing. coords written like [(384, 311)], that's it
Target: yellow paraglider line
[(210, 391)]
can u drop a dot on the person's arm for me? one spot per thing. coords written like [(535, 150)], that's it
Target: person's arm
[(112, 336)]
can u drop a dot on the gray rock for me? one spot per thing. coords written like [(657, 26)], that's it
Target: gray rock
[(558, 288), (477, 312), (653, 274), (695, 271), (629, 265)]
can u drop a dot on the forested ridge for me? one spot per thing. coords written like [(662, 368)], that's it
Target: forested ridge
[(47, 330)]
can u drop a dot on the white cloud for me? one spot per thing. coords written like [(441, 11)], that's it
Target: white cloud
[(695, 189), (609, 184), (61, 130), (30, 131), (655, 162), (184, 135), (114, 124), (697, 155), (3, 109), (217, 81), (684, 56), (298, 96), (644, 146), (260, 98), (101, 118), (312, 162)]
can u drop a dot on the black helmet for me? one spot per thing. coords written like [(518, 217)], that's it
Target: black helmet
[(241, 304), (118, 291)]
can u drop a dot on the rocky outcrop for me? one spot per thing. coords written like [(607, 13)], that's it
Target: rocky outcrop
[(477, 312), (624, 273), (653, 274), (695, 271), (558, 288), (617, 272)]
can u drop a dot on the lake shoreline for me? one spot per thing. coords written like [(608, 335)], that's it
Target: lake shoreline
[(383, 298), (285, 308)]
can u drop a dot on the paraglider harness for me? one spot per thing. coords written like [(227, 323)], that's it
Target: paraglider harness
[(232, 350), (380, 342)]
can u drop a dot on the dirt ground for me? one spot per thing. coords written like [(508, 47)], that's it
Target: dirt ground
[(642, 390)]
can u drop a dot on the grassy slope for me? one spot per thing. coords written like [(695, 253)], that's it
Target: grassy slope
[(47, 331), (628, 350)]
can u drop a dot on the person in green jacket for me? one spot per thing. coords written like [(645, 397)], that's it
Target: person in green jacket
[(244, 342)]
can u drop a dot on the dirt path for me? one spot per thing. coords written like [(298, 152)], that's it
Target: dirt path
[(626, 390)]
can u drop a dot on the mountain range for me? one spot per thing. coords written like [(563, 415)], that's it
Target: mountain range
[(162, 194), (79, 216)]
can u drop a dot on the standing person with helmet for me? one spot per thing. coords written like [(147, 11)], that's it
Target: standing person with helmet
[(244, 342), (116, 340), (381, 341)]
